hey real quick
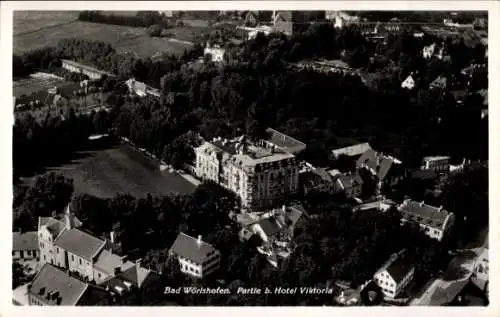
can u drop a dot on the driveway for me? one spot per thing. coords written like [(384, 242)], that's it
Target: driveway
[(21, 295)]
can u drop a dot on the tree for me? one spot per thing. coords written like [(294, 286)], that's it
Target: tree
[(154, 30)]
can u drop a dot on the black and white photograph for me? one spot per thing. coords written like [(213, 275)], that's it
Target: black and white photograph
[(257, 157)]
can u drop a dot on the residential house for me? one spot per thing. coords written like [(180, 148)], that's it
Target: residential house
[(109, 264), (262, 175), (78, 251), (54, 287), (350, 184), (216, 52), (284, 142), (387, 170), (436, 222), (283, 22), (196, 258), (25, 246), (353, 151), (254, 18), (394, 275), (49, 230), (428, 51), (136, 286), (408, 83), (141, 89), (439, 83), (436, 163), (317, 179), (91, 72)]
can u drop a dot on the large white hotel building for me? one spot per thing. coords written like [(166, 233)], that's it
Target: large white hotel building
[(262, 174)]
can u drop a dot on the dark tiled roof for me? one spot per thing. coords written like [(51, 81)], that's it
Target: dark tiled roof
[(370, 158), (25, 241), (51, 279), (439, 82), (284, 141), (136, 275), (399, 268), (188, 247), (284, 15), (80, 243), (424, 214), (350, 180), (269, 226)]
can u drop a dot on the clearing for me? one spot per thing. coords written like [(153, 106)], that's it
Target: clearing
[(121, 169), (31, 21)]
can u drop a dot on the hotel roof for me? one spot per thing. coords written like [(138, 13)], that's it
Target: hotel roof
[(424, 214), (284, 141), (353, 150)]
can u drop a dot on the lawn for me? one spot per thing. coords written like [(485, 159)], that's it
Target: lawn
[(120, 169), (31, 21), (123, 38)]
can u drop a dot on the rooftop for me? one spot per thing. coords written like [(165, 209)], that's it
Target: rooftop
[(270, 226), (87, 67), (397, 267), (435, 158), (424, 214), (108, 261), (80, 243), (284, 141), (242, 153), (353, 150), (51, 279), (54, 226), (350, 180), (25, 241), (189, 248), (136, 274), (377, 162)]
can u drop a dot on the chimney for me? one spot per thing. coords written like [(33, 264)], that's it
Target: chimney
[(112, 236), (440, 208), (422, 203), (198, 242), (67, 218), (283, 208)]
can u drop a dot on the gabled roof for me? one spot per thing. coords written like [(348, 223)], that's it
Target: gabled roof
[(377, 162), (80, 243), (25, 241), (51, 279), (398, 267), (284, 141), (189, 248), (285, 16), (439, 82), (107, 261), (136, 275), (353, 150), (424, 214), (54, 226)]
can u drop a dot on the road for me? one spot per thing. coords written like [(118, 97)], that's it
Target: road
[(445, 288)]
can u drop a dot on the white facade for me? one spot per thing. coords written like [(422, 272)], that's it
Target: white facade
[(47, 248), (200, 270), (259, 176), (436, 163), (393, 277), (216, 52), (408, 83), (428, 51)]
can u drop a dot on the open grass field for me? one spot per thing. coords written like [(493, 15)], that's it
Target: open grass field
[(28, 86), (30, 21), (121, 169), (123, 38)]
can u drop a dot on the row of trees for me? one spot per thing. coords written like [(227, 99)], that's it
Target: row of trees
[(141, 19)]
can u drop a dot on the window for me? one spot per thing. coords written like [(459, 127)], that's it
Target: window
[(99, 275), (28, 252), (57, 250), (80, 261), (44, 258), (41, 245), (72, 258)]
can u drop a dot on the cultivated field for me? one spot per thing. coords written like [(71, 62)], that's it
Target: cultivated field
[(27, 86), (30, 21), (120, 169)]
